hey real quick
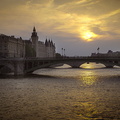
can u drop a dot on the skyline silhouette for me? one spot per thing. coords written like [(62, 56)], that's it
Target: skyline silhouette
[(79, 27)]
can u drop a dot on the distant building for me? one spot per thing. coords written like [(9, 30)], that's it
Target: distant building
[(42, 49), (11, 46), (110, 53), (16, 47)]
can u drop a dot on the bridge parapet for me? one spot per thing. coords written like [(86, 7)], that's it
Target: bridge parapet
[(25, 65)]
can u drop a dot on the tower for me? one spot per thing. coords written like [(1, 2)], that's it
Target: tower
[(34, 39)]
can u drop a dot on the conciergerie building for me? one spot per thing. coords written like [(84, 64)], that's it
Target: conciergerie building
[(17, 47)]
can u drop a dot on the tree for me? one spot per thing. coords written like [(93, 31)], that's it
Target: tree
[(58, 55), (29, 51)]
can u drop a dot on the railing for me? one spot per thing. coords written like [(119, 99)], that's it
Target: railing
[(61, 58)]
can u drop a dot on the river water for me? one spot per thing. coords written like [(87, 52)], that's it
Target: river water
[(88, 93)]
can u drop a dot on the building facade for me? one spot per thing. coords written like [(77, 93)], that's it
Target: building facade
[(43, 50), (11, 46), (110, 53), (17, 47)]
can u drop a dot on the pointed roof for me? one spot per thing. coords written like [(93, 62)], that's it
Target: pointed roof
[(49, 41), (46, 41), (34, 33), (34, 30)]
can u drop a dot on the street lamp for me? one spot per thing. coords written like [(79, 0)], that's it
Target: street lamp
[(98, 50), (62, 52)]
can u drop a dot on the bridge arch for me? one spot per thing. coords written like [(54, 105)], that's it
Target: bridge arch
[(73, 64), (77, 64)]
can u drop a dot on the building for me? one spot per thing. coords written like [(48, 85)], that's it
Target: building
[(11, 46), (43, 50), (17, 47), (50, 48), (110, 53)]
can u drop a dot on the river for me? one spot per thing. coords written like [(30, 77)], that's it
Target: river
[(88, 93)]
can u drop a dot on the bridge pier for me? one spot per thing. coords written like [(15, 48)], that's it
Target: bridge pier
[(108, 65), (19, 67), (75, 66)]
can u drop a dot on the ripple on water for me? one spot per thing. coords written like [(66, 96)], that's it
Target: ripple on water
[(64, 94)]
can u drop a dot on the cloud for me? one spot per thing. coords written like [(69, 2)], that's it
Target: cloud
[(63, 17)]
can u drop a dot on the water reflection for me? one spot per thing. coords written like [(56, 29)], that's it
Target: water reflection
[(88, 77), (87, 111), (92, 66), (66, 94)]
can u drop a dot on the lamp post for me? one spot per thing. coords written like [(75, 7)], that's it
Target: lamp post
[(62, 52), (98, 50)]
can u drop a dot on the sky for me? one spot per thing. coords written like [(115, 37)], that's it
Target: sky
[(78, 26)]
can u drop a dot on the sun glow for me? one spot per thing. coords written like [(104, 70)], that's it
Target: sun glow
[(88, 36)]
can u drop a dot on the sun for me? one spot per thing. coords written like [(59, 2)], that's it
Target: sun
[(88, 36)]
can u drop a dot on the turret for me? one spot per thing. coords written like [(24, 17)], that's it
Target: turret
[(46, 42), (34, 33), (51, 43), (34, 39), (34, 29)]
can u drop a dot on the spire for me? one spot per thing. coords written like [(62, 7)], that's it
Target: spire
[(34, 30), (51, 43), (46, 41), (34, 33)]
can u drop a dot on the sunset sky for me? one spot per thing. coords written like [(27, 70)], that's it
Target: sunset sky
[(78, 26)]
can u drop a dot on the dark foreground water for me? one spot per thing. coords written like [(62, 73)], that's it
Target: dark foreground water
[(62, 94)]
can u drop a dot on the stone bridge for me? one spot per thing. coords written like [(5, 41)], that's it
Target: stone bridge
[(20, 66)]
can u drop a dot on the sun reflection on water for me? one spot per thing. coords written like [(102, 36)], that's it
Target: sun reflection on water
[(92, 66), (88, 75), (88, 78), (87, 66)]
